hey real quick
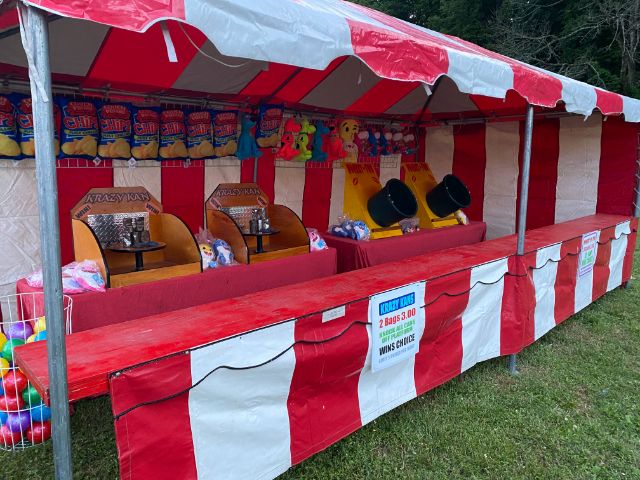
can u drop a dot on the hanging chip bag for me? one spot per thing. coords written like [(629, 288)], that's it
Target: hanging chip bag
[(80, 131), (115, 131), (9, 147), (225, 132), (199, 136), (173, 136), (25, 126), (269, 123), (145, 139)]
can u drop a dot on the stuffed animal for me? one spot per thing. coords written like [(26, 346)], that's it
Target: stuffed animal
[(361, 142), (410, 146), (333, 145), (348, 130), (206, 252), (302, 142), (247, 147), (398, 142), (287, 149), (224, 255), (384, 139), (317, 155)]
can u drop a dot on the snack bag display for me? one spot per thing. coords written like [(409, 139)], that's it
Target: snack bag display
[(173, 135), (25, 126), (225, 132), (115, 131), (199, 136), (145, 140), (9, 147), (80, 131), (269, 123)]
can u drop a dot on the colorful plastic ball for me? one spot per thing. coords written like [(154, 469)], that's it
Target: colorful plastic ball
[(4, 366), (11, 404), (31, 396), (3, 418), (40, 325), (18, 421), (7, 350), (40, 413), (3, 340), (32, 338), (20, 330), (41, 336), (14, 382), (40, 432), (8, 438)]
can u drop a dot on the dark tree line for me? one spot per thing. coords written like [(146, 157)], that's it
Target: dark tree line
[(597, 41)]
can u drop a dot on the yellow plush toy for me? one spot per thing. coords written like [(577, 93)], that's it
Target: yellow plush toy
[(302, 142), (348, 130)]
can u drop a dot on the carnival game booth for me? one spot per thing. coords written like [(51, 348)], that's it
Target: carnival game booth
[(283, 373)]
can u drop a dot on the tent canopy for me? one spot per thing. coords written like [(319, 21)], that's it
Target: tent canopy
[(326, 55)]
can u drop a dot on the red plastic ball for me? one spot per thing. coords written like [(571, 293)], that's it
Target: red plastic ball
[(14, 382), (40, 432), (8, 438), (11, 404)]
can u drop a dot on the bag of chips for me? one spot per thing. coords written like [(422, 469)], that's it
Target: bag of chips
[(225, 132), (145, 140), (269, 123), (80, 131), (115, 131), (199, 136), (173, 135), (9, 147), (25, 125)]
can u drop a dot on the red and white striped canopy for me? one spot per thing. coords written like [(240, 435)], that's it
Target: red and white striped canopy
[(329, 55)]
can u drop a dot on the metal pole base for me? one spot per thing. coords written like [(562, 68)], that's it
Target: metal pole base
[(511, 362), (626, 284)]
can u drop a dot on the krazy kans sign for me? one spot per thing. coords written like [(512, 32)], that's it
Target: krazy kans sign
[(397, 322)]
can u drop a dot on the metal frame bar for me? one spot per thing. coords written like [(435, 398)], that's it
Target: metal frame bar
[(36, 30), (524, 201)]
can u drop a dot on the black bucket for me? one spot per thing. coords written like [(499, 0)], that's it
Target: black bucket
[(393, 203), (449, 196)]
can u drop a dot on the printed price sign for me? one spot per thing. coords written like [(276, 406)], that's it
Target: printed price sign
[(588, 253), (397, 320)]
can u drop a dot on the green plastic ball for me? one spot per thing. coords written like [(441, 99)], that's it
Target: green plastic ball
[(31, 396), (7, 350)]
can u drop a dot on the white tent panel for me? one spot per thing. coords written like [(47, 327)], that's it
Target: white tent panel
[(501, 178), (439, 150), (147, 174), (578, 167)]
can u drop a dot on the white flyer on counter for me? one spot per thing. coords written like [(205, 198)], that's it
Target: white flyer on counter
[(397, 321)]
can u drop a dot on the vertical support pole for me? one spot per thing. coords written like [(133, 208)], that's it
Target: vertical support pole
[(524, 200), (255, 170), (36, 39)]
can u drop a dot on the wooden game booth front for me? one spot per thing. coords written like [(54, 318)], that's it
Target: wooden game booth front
[(169, 274)]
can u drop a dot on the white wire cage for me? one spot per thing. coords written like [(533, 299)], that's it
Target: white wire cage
[(25, 420)]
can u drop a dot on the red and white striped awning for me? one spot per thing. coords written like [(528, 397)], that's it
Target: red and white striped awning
[(314, 54)]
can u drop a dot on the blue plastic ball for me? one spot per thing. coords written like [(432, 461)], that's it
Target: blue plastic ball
[(41, 336), (40, 413), (3, 417)]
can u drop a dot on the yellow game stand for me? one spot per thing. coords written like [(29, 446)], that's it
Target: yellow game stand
[(420, 180)]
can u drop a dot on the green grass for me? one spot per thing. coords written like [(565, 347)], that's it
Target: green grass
[(573, 413)]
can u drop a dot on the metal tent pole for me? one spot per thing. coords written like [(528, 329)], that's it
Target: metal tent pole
[(524, 200), (36, 42)]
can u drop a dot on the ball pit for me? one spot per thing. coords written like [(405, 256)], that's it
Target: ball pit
[(4, 366), (41, 336), (8, 438), (19, 422), (40, 413), (11, 404), (14, 383), (31, 396), (40, 432), (21, 330), (7, 350)]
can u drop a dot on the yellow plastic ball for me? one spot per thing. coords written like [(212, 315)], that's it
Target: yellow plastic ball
[(31, 338), (41, 324), (3, 340), (4, 367)]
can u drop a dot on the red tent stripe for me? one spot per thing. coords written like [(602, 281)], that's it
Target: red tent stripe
[(305, 81), (469, 163), (268, 81), (183, 193), (601, 269), (316, 201), (384, 95), (266, 173), (609, 103), (146, 65), (619, 154)]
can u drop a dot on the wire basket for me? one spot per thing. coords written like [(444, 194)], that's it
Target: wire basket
[(24, 419)]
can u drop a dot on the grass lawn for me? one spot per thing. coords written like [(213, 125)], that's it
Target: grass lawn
[(573, 413)]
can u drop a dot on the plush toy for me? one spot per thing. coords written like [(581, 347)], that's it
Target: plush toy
[(287, 149), (384, 139), (333, 145), (247, 147), (348, 130), (398, 142), (206, 252), (316, 242), (410, 146), (224, 255), (317, 155), (361, 143), (302, 142)]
